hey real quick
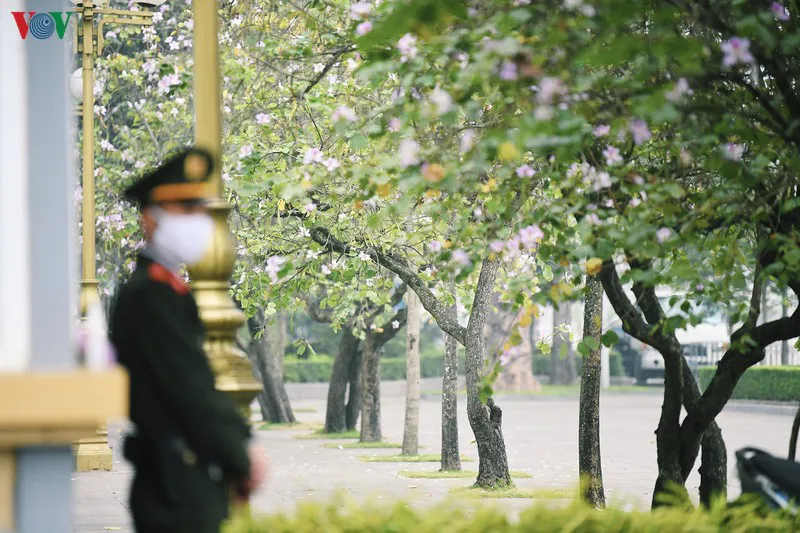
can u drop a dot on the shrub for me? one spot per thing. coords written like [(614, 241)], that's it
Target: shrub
[(471, 518), (775, 383), (319, 368), (542, 364)]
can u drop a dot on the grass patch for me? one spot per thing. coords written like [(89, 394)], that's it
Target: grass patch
[(453, 474), (304, 410), (422, 458), (272, 426), (517, 493), (320, 434), (565, 391), (348, 445)]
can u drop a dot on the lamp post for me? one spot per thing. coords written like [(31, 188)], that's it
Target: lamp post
[(232, 369), (94, 453)]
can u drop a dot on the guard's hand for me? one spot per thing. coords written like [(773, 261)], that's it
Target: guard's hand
[(259, 467)]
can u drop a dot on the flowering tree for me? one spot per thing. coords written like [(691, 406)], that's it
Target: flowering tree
[(661, 133)]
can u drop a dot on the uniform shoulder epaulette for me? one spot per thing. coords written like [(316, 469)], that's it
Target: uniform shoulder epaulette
[(158, 272)]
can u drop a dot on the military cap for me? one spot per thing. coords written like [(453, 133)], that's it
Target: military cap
[(184, 177)]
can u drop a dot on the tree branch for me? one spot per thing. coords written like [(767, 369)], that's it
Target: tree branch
[(399, 266)]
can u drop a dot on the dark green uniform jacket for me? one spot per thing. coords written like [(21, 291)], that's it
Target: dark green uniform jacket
[(190, 441)]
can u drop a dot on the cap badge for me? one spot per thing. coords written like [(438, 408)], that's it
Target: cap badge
[(195, 167)]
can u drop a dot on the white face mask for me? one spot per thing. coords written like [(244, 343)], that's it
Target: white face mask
[(183, 238)]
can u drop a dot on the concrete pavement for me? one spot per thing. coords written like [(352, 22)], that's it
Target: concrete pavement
[(541, 438)]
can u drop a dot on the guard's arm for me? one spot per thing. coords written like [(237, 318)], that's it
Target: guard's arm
[(173, 357)]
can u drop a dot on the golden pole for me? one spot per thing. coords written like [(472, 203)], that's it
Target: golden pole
[(91, 453), (222, 318)]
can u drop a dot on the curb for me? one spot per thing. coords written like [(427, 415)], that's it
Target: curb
[(755, 406)]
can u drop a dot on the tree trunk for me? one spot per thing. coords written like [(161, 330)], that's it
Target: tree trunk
[(264, 353), (485, 419), (793, 436), (371, 402), (589, 463), (335, 413), (784, 314), (413, 324), (355, 391), (451, 457)]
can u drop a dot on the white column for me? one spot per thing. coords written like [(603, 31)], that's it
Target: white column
[(15, 282)]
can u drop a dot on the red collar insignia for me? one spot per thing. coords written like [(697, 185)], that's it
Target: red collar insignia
[(158, 272)]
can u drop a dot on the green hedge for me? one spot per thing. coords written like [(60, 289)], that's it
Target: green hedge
[(475, 518), (542, 364), (775, 383), (318, 369)]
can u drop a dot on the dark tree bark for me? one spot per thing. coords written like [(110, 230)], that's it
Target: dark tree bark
[(263, 353), (793, 436), (485, 419), (355, 390), (589, 458), (335, 413), (784, 314), (371, 383)]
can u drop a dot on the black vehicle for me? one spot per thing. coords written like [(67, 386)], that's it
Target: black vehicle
[(775, 480)]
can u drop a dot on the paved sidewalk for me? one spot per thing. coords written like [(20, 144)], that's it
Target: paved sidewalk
[(541, 437)]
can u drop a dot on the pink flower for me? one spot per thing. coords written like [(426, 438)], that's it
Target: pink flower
[(364, 28), (593, 219), (435, 246), (526, 171), (310, 207), (734, 152), (508, 71), (407, 46), (530, 235), (736, 50), (549, 90), (263, 118), (394, 124), (497, 246), (781, 13), (663, 234), (360, 10), (640, 131), (313, 155), (331, 164), (602, 130), (681, 88), (612, 156), (634, 202), (343, 112), (461, 257), (246, 150), (601, 180)]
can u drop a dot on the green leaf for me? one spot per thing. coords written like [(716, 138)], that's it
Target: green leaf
[(609, 338), (358, 141)]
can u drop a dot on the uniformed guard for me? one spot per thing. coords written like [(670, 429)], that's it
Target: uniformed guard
[(190, 444)]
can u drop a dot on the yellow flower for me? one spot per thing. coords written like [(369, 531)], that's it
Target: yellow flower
[(594, 266), (384, 190), (489, 186), (281, 204), (433, 173), (508, 152)]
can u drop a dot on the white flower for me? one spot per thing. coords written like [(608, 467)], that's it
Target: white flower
[(237, 21), (395, 324), (263, 118), (435, 246), (394, 124), (107, 146), (363, 256), (550, 90), (497, 246), (442, 100), (364, 28), (310, 207), (634, 202), (612, 156), (319, 67), (246, 150), (409, 153), (274, 265), (326, 269), (360, 10), (157, 17), (593, 219), (343, 113), (526, 171), (663, 234), (313, 155), (407, 45), (467, 141), (331, 164)]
